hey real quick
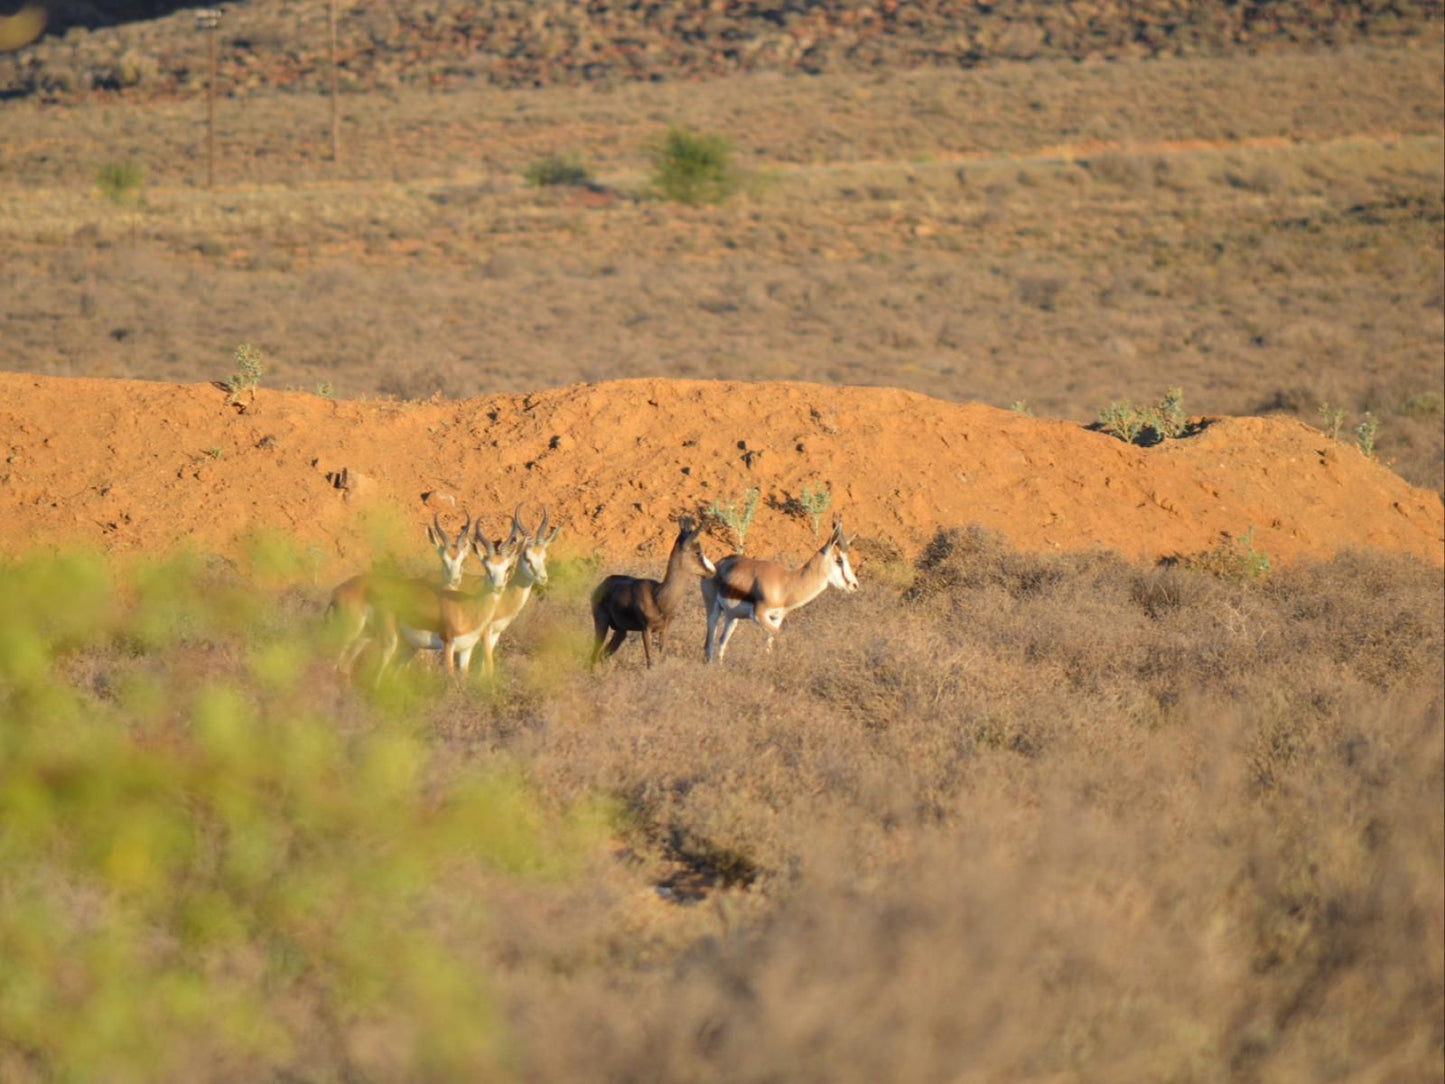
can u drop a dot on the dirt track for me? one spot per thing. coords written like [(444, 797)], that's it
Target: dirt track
[(129, 466)]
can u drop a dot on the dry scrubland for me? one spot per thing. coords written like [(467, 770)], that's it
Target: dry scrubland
[(995, 817), (1001, 817), (1262, 231)]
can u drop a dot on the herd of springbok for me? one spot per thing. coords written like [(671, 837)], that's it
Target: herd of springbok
[(400, 616)]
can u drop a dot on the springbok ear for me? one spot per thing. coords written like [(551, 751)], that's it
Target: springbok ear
[(841, 540)]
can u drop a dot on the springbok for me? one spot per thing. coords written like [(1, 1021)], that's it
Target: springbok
[(624, 604), (452, 551), (766, 591), (531, 570), (420, 613)]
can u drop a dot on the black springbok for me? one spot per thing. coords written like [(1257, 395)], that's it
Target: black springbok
[(624, 604)]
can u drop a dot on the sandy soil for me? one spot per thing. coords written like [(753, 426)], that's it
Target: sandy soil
[(129, 465)]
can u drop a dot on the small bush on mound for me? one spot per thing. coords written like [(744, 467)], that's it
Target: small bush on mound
[(737, 516), (689, 167), (1235, 558), (1146, 425)]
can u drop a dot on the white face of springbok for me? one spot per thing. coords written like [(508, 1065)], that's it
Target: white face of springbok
[(840, 569), (498, 559), (534, 552), (452, 551), (529, 549)]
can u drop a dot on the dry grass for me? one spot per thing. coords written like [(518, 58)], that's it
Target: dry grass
[(1041, 817), (1001, 815)]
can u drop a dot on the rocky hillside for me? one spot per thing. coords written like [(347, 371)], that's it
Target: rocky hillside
[(131, 47)]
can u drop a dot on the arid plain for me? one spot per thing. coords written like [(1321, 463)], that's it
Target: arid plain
[(1123, 763)]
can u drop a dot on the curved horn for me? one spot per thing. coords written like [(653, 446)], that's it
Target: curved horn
[(466, 528), (479, 538), (542, 527), (519, 529)]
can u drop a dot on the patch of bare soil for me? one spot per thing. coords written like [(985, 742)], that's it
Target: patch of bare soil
[(135, 466)]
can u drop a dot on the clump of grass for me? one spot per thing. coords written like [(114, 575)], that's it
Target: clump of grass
[(1162, 420), (557, 170), (737, 516), (1235, 558), (1021, 406), (1333, 418), (247, 377), (692, 167), (121, 182)]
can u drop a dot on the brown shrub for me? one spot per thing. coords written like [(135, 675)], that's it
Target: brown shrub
[(1030, 815)]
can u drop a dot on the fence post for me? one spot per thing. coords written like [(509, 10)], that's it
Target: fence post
[(208, 20)]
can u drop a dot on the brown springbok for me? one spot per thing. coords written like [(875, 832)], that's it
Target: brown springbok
[(624, 604), (531, 570), (393, 610), (766, 591)]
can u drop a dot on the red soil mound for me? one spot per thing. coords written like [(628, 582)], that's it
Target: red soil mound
[(129, 466)]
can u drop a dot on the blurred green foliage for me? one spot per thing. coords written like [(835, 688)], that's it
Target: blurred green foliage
[(201, 873)]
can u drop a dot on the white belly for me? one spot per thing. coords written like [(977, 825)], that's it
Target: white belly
[(421, 639), (467, 642)]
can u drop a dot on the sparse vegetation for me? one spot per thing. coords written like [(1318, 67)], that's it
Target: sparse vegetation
[(737, 515), (1162, 420), (815, 502), (1235, 558), (121, 182), (1333, 419), (250, 366), (692, 167), (557, 170), (1365, 434), (1122, 419)]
